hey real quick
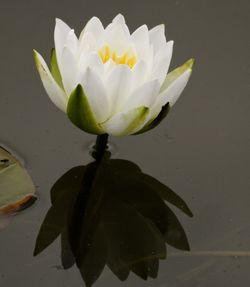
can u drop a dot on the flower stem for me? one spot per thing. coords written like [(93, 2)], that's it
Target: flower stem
[(100, 146)]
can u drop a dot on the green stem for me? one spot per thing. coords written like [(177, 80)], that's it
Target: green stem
[(100, 146)]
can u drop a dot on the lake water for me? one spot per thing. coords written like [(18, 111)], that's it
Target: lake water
[(201, 151)]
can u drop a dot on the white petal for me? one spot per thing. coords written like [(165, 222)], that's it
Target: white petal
[(109, 66), (87, 44), (143, 96), (69, 71), (116, 38), (125, 123), (93, 61), (56, 94), (95, 27), (140, 72), (60, 35), (119, 85), (172, 93), (96, 94), (162, 62), (72, 42), (119, 19), (157, 38), (141, 40)]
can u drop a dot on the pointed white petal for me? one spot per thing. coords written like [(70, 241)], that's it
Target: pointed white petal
[(56, 94), (162, 61), (87, 44), (117, 38), (140, 73), (95, 27), (96, 94), (69, 71), (119, 85), (143, 96), (157, 38), (119, 19), (93, 61), (140, 38), (125, 123), (176, 73), (172, 93), (72, 42), (60, 35)]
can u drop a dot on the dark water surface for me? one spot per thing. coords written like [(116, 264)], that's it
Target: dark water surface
[(201, 151)]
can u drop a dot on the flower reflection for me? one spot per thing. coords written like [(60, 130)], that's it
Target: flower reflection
[(111, 213)]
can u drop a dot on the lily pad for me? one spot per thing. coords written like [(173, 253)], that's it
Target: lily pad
[(17, 190)]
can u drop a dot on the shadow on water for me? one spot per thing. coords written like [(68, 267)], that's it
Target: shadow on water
[(110, 213)]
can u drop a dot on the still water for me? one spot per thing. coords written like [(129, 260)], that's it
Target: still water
[(139, 211)]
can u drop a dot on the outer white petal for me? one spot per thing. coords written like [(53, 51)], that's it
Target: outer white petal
[(56, 94), (157, 38), (140, 73), (69, 71), (96, 94), (72, 42), (140, 38), (143, 96), (95, 27), (162, 62), (172, 93), (60, 35), (119, 86), (124, 123)]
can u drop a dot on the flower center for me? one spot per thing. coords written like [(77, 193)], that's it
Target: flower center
[(125, 59)]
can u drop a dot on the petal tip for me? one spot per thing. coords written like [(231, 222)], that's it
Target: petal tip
[(58, 20), (36, 56), (190, 64), (34, 52), (119, 18), (162, 26)]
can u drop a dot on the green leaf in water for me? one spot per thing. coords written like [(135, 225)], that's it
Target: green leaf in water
[(17, 190)]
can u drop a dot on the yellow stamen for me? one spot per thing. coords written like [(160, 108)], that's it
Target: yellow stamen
[(125, 59)]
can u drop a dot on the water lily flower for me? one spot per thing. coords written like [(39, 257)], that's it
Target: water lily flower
[(111, 81)]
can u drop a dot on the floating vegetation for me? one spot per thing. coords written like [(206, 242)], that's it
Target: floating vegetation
[(17, 190)]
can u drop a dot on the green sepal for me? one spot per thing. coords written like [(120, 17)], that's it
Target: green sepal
[(141, 114), (55, 69), (172, 76), (152, 124), (80, 113)]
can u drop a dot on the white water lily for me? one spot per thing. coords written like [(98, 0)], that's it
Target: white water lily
[(111, 81)]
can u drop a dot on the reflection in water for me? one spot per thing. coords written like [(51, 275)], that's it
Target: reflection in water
[(110, 213)]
